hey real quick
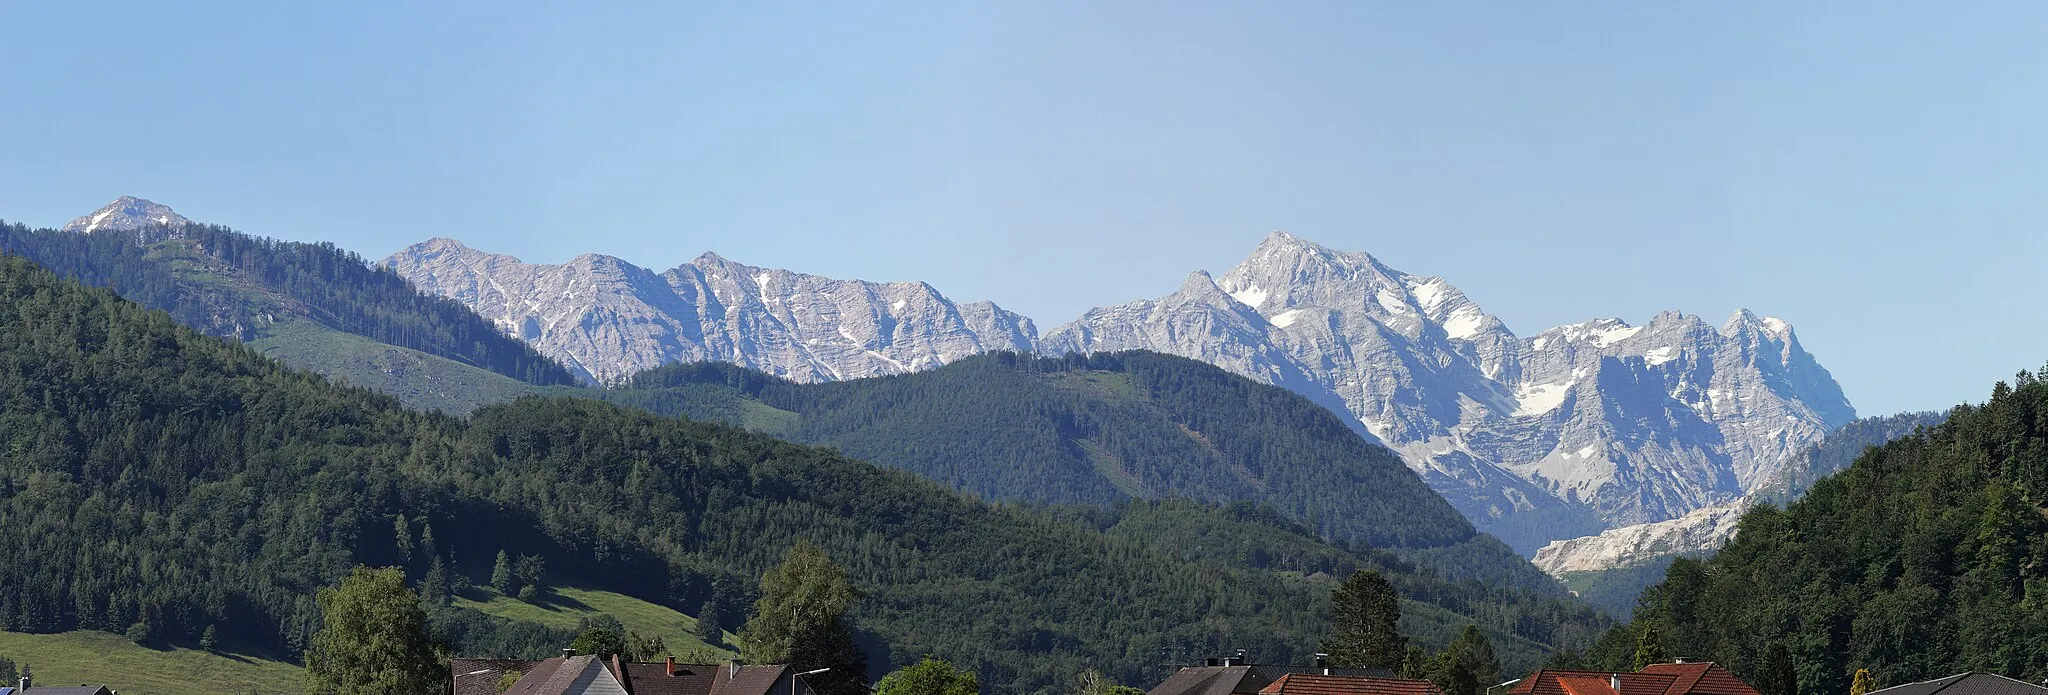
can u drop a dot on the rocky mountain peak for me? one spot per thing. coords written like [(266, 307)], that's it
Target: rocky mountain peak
[(131, 214)]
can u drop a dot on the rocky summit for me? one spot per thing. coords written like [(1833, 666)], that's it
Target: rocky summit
[(129, 214), (610, 319), (1566, 433)]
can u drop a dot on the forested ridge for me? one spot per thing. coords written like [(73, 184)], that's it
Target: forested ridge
[(1926, 557), (1102, 428), (165, 484), (231, 284)]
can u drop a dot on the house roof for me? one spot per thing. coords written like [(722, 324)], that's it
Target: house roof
[(1698, 678), (1587, 685), (654, 679), (1966, 684), (1247, 679), (746, 680), (480, 676), (1702, 678), (1315, 684)]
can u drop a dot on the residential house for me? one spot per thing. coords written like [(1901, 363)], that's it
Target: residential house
[(1314, 684), (590, 675), (1680, 678), (1966, 684), (1234, 676)]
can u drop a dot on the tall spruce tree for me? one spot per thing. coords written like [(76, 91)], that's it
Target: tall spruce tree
[(1365, 631), (1777, 677)]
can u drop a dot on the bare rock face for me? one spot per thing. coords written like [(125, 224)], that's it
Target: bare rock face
[(1574, 430), (1566, 433), (611, 319), (1703, 530), (132, 215)]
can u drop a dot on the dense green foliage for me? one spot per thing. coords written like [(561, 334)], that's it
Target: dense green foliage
[(157, 475), (801, 620), (227, 283), (1837, 451), (1615, 589), (1365, 616), (1466, 666), (1102, 428), (1927, 557), (373, 639), (929, 677)]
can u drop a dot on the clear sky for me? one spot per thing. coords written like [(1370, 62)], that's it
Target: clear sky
[(1876, 175)]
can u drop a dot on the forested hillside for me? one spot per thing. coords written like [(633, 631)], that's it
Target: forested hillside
[(1926, 557), (231, 284), (1101, 428), (163, 483)]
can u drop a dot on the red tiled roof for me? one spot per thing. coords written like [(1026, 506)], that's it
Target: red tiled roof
[(1309, 684), (1587, 685), (1703, 678), (1546, 682)]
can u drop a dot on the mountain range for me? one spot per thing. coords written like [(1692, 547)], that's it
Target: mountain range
[(182, 485), (1566, 433)]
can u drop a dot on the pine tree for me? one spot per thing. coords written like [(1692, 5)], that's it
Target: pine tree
[(1777, 677), (708, 627), (501, 575), (402, 529), (208, 639), (1365, 632)]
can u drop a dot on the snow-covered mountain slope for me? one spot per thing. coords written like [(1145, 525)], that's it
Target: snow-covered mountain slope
[(130, 214), (611, 319), (1565, 433)]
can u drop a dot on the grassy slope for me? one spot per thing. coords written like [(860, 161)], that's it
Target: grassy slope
[(420, 380), (81, 657), (569, 604)]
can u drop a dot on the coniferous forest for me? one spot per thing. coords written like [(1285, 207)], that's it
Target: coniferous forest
[(168, 485), (231, 284), (1926, 557)]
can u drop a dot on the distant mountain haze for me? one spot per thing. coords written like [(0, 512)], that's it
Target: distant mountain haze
[(1562, 434)]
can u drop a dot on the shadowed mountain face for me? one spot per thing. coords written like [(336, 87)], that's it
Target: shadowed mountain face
[(1565, 433)]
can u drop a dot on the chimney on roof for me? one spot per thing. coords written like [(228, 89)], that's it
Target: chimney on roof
[(671, 665), (1211, 661), (567, 652), (1681, 660), (1235, 659), (1614, 681), (1323, 663)]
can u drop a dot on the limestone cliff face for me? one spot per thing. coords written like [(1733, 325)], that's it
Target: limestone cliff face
[(610, 319), (1570, 431)]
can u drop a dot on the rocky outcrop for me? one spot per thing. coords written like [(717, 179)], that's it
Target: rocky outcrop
[(611, 319)]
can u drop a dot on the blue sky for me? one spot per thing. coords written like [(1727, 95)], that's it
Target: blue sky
[(1876, 175)]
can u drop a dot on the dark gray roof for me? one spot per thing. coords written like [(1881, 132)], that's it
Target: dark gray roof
[(1966, 684)]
